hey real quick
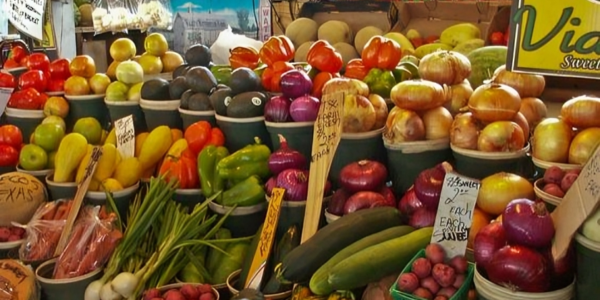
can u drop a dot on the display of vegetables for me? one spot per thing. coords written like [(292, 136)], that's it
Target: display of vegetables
[(557, 182), (497, 190), (185, 292)]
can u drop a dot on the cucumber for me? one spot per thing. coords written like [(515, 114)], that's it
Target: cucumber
[(247, 264), (231, 263), (289, 241), (319, 284), (375, 262), (214, 256), (304, 260)]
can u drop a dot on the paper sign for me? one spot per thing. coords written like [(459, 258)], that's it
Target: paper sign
[(27, 16), (4, 97), (267, 237), (580, 201), (455, 213), (125, 132)]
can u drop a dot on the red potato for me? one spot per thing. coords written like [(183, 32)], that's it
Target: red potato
[(435, 253), (554, 190), (568, 181), (444, 275), (174, 295), (430, 284), (447, 291), (152, 294), (17, 231), (460, 279), (205, 289), (440, 297), (554, 175), (4, 234), (408, 282), (460, 264), (421, 267), (189, 291), (207, 296), (574, 171), (363, 200), (13, 238), (423, 293)]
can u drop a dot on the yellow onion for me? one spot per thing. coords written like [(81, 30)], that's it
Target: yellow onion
[(583, 145), (437, 123), (445, 67), (499, 189), (582, 112), (522, 122), (347, 85), (493, 102), (527, 85), (534, 110), (418, 95), (501, 136), (465, 131), (403, 125), (458, 97), (551, 140)]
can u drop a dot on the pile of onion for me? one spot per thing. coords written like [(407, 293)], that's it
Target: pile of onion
[(445, 67), (514, 253), (295, 103), (527, 85), (403, 125)]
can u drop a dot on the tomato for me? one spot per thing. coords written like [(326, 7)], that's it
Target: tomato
[(197, 135), (56, 85), (7, 81), (42, 100), (38, 61), (17, 53), (497, 38), (11, 64), (33, 79), (24, 61), (11, 135), (9, 156), (25, 99), (181, 168), (59, 69), (506, 36)]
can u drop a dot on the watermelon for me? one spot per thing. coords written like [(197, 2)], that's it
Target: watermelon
[(484, 61)]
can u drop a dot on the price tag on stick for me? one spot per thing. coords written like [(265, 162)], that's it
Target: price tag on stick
[(5, 94), (78, 200), (455, 213), (125, 132)]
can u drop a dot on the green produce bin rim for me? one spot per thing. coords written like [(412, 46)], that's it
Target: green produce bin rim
[(491, 155), (121, 103), (25, 113), (160, 105), (418, 146), (547, 164), (289, 124), (196, 113), (239, 120), (539, 192)]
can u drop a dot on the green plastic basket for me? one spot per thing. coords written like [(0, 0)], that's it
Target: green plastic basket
[(461, 294)]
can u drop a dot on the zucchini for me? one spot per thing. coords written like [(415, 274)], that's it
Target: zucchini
[(375, 262), (289, 241), (248, 260), (230, 263), (304, 260), (318, 282), (214, 256)]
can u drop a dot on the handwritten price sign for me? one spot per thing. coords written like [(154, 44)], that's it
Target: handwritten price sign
[(125, 132), (455, 213), (27, 16)]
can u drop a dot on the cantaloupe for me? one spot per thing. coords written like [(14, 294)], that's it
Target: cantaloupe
[(18, 280), (484, 61), (347, 51), (364, 35), (335, 32), (302, 51), (20, 196), (301, 31), (468, 46)]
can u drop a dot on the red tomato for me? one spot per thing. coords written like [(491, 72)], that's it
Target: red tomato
[(7, 81), (497, 38), (17, 53), (197, 135), (41, 100), (59, 69), (9, 156), (25, 99), (506, 36), (11, 135), (24, 61), (33, 79), (11, 64), (38, 61), (56, 85)]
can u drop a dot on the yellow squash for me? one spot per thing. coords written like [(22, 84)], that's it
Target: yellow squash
[(107, 163), (155, 146), (83, 164), (71, 151)]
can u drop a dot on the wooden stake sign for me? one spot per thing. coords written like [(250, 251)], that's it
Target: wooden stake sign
[(125, 132), (455, 213), (267, 236), (78, 200), (327, 135), (4, 96)]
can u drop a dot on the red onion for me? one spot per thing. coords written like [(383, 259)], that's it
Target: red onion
[(270, 185), (305, 109), (363, 200), (422, 218), (562, 270), (519, 268), (286, 158), (364, 175), (409, 203), (388, 194), (295, 83), (278, 109), (528, 223), (295, 183), (488, 240), (327, 188), (338, 200), (428, 185)]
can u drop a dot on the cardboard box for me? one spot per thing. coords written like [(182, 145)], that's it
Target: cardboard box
[(357, 14)]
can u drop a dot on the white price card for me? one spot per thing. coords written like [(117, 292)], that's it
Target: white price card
[(455, 213), (125, 132), (4, 97), (27, 16)]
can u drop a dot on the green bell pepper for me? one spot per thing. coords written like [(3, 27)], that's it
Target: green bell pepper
[(248, 161), (406, 70), (210, 182), (222, 73), (380, 82), (246, 193)]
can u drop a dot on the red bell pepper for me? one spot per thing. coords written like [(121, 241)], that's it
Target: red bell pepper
[(272, 75), (243, 57), (322, 56), (276, 48), (356, 69), (381, 53)]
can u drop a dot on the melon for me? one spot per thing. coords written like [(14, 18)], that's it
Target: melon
[(364, 35), (301, 31), (484, 61), (302, 51), (86, 15), (347, 51), (459, 33), (20, 196), (335, 32), (18, 280), (466, 47)]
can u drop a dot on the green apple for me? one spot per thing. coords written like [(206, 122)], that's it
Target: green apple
[(48, 136), (51, 159), (134, 93), (116, 91), (55, 120), (33, 158)]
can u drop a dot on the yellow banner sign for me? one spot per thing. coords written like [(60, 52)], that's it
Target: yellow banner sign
[(555, 37)]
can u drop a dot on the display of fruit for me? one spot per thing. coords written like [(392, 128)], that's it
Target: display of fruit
[(185, 292), (11, 141), (11, 234), (557, 182)]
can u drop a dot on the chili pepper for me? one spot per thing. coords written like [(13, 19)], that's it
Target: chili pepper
[(380, 82), (210, 182), (222, 73), (246, 193)]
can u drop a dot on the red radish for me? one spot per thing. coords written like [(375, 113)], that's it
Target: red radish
[(421, 267), (554, 190), (447, 291), (205, 288), (435, 253), (430, 284), (460, 264), (423, 293), (444, 275), (408, 282), (554, 175), (207, 296), (174, 295), (189, 291), (460, 279), (152, 294), (568, 181)]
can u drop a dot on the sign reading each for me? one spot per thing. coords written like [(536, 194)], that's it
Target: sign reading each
[(455, 213), (27, 16), (554, 37), (125, 132), (4, 96)]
